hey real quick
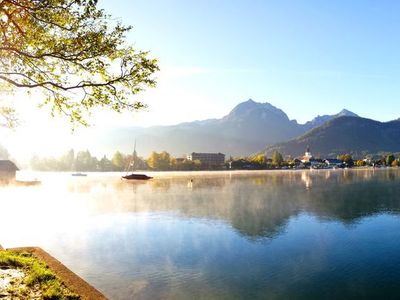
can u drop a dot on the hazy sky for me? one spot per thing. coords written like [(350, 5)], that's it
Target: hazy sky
[(305, 57)]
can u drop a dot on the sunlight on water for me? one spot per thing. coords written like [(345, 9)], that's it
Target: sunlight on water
[(220, 235)]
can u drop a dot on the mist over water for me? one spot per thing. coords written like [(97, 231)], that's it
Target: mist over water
[(219, 235)]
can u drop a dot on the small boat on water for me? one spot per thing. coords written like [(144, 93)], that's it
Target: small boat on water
[(79, 174), (132, 167), (136, 177)]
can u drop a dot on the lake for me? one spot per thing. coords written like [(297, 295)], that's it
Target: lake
[(328, 234)]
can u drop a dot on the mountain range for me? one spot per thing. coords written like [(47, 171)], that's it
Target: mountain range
[(354, 135), (320, 120), (247, 129)]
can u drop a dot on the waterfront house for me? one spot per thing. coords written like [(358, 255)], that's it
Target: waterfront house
[(334, 163), (180, 160), (8, 170)]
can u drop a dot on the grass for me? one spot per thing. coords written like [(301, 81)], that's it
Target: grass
[(38, 276)]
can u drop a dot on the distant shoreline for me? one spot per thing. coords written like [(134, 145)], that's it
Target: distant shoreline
[(166, 174)]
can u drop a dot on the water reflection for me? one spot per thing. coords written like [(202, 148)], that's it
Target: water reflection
[(258, 206), (213, 230), (255, 205)]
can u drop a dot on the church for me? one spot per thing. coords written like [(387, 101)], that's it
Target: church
[(307, 158)]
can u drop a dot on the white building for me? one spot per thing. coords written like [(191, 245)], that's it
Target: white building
[(307, 156)]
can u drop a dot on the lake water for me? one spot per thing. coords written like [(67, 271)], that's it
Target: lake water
[(254, 235)]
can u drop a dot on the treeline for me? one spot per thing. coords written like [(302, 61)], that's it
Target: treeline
[(389, 160), (257, 162), (84, 161), (261, 162), (163, 161)]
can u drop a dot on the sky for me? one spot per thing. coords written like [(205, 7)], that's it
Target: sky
[(307, 58)]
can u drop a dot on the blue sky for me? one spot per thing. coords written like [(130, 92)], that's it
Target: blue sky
[(305, 57)]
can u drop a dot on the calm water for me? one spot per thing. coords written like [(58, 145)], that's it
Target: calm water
[(272, 235)]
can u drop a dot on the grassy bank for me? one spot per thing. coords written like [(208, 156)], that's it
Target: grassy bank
[(35, 279)]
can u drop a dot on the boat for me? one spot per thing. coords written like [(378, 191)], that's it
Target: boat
[(131, 168), (78, 174), (136, 177)]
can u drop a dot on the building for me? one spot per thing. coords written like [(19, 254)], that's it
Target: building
[(309, 160), (307, 156), (334, 163), (208, 160), (180, 160), (8, 170)]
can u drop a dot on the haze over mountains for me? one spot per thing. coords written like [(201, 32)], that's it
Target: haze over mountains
[(247, 129), (251, 128)]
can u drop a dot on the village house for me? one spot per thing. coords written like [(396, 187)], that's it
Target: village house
[(209, 160), (8, 171), (334, 163)]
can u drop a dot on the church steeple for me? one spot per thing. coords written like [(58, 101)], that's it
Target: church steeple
[(308, 153)]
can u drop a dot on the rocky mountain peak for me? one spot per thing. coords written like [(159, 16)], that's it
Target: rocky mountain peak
[(251, 109), (346, 113)]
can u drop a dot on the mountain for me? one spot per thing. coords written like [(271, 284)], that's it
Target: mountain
[(249, 127), (245, 130), (319, 120), (254, 122), (354, 135)]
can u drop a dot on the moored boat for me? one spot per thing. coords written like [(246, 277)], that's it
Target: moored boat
[(136, 177), (78, 174), (132, 167)]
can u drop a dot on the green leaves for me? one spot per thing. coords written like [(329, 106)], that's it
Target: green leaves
[(68, 50)]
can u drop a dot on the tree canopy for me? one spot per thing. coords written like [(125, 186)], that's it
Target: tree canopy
[(277, 158), (74, 54)]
